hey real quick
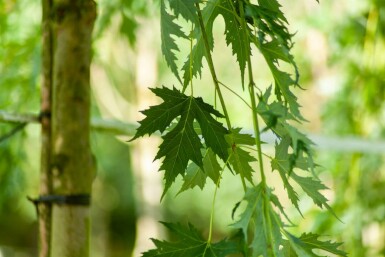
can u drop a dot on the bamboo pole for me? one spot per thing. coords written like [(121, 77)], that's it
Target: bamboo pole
[(72, 163), (45, 210)]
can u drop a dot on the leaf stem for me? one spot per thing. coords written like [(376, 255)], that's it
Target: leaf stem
[(252, 95), (214, 76), (267, 205), (191, 60), (211, 66), (213, 204)]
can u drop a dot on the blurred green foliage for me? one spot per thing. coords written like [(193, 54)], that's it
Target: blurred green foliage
[(19, 74), (357, 109)]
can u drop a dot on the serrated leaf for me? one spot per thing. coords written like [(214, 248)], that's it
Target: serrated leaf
[(274, 42), (159, 117), (168, 28), (195, 176), (298, 138), (185, 8), (283, 81), (212, 131), (274, 51), (281, 163), (240, 159), (234, 35), (182, 143), (274, 6), (305, 245), (312, 187), (276, 117), (264, 222), (179, 146), (242, 139), (274, 199), (209, 13), (190, 243)]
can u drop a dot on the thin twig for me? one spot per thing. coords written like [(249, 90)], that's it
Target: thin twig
[(13, 131)]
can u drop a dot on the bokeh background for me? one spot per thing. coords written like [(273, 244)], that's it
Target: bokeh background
[(340, 50)]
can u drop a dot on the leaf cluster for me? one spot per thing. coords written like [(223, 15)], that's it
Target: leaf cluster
[(196, 145)]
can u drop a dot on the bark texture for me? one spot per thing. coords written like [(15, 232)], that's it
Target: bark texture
[(45, 210), (72, 163)]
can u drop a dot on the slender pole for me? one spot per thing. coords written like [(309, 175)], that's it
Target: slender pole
[(45, 210), (72, 163)]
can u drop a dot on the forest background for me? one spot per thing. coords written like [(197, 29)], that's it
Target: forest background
[(340, 51)]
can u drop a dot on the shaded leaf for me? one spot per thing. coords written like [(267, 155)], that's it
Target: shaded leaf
[(182, 144), (185, 8), (235, 35), (240, 159), (209, 13), (190, 243), (169, 28), (195, 176)]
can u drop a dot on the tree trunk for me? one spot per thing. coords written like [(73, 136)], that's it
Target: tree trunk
[(45, 210), (72, 164)]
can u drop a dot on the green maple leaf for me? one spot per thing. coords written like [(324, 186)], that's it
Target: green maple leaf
[(213, 8), (209, 13), (312, 187), (264, 222), (195, 176), (190, 243), (241, 139), (284, 164), (276, 117), (282, 81), (234, 34), (168, 28), (185, 8), (182, 143), (234, 37), (273, 6), (240, 159), (298, 138), (281, 163), (305, 245), (274, 42)]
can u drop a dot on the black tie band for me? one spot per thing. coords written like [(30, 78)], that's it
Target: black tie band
[(78, 199)]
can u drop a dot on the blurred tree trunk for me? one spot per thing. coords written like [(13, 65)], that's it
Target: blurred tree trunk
[(45, 210), (70, 163)]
